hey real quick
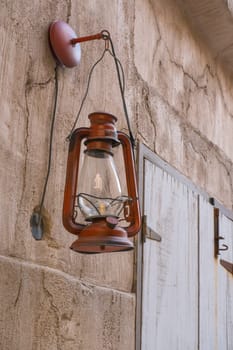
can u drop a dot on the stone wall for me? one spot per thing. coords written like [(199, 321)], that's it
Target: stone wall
[(184, 95), (179, 101)]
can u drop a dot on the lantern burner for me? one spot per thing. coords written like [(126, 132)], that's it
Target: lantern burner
[(92, 206)]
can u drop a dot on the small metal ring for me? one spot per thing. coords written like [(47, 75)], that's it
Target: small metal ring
[(105, 34)]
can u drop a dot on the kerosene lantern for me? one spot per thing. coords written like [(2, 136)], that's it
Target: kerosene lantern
[(94, 189)]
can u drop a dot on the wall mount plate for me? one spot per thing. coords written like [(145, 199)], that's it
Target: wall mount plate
[(37, 226), (60, 36)]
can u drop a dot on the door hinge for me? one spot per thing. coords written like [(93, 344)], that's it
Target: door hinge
[(148, 232), (227, 265)]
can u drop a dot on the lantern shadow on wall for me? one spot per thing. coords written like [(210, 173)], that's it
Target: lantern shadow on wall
[(95, 207)]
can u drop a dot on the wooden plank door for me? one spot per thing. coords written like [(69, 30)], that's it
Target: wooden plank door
[(170, 267), (185, 295), (216, 283)]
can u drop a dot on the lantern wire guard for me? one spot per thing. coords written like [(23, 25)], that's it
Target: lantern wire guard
[(36, 222)]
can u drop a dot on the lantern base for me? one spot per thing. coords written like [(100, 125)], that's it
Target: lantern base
[(60, 36), (99, 237)]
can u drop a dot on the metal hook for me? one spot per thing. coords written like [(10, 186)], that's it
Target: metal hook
[(105, 34), (224, 247), (219, 248), (217, 236), (107, 44), (106, 37)]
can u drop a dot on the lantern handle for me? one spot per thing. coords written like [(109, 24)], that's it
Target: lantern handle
[(106, 36), (116, 60), (68, 138)]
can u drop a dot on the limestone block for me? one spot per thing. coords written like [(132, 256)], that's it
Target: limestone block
[(183, 92), (217, 34), (182, 71), (27, 97), (42, 308), (176, 141)]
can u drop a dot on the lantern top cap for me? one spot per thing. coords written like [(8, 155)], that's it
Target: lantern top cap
[(102, 133), (102, 117)]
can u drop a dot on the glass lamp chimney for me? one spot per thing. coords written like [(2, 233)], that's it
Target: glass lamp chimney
[(99, 185)]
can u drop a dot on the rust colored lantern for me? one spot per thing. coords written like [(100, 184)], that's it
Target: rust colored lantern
[(94, 190)]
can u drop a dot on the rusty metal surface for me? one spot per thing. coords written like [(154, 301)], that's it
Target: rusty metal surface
[(86, 38), (102, 133)]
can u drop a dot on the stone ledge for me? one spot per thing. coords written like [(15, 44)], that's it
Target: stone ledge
[(32, 265), (43, 308)]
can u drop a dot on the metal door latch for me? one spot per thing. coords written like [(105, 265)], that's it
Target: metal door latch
[(148, 232)]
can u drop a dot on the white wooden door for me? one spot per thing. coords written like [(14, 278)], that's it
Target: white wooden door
[(170, 267), (216, 284), (186, 295)]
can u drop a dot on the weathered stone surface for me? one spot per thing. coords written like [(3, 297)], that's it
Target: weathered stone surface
[(42, 308), (27, 84), (27, 96), (180, 105), (184, 98), (212, 20)]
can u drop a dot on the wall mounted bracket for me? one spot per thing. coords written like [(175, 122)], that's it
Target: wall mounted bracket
[(65, 44), (37, 226)]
